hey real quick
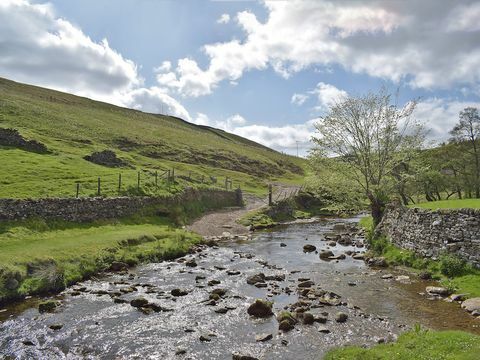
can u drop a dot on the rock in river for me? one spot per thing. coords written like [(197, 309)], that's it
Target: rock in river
[(263, 337), (326, 254), (191, 263), (309, 248), (47, 306), (257, 278), (178, 292), (437, 290), (472, 304), (341, 317), (139, 302), (260, 308)]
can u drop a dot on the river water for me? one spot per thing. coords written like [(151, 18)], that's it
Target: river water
[(96, 327)]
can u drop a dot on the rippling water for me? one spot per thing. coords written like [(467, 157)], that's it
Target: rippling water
[(95, 327)]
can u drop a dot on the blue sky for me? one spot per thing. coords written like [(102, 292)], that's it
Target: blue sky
[(264, 70)]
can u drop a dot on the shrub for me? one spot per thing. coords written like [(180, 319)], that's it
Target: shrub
[(452, 266)]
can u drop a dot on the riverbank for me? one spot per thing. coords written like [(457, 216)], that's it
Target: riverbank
[(39, 256)]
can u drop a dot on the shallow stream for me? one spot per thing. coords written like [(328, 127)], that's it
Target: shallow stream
[(96, 327)]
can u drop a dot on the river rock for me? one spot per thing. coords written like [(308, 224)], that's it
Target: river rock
[(191, 263), (358, 257), (332, 243), (56, 326), (260, 308), (309, 248), (283, 245), (263, 337), (472, 305), (213, 282), (233, 272), (387, 276), (326, 254), (308, 318), (221, 310), (377, 262), (285, 326), (139, 302), (205, 338), (278, 277), (402, 278), (243, 357), (47, 306), (458, 297), (257, 278), (178, 292), (118, 266), (341, 317), (323, 330), (306, 284), (437, 290)]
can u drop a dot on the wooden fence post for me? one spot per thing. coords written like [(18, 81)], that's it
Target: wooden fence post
[(173, 175), (270, 195), (138, 181), (78, 190), (156, 178), (119, 183), (98, 186)]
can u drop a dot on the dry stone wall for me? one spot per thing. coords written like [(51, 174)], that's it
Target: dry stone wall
[(90, 209), (432, 233)]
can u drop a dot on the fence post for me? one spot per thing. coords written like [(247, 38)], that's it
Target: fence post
[(173, 175), (119, 182), (78, 190), (270, 195), (98, 186), (138, 181), (156, 178)]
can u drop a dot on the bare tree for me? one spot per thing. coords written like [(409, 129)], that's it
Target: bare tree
[(373, 136), (468, 129)]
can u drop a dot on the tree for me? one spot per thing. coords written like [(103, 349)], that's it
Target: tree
[(374, 138), (468, 130)]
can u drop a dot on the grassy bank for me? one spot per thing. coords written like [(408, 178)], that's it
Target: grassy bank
[(417, 345), (452, 272), (450, 204), (38, 256)]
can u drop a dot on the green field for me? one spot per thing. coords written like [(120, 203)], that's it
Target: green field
[(417, 345), (46, 256), (450, 204), (73, 127)]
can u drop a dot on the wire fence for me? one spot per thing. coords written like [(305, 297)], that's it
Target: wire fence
[(146, 182)]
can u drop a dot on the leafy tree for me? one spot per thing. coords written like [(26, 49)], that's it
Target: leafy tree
[(468, 130), (372, 136)]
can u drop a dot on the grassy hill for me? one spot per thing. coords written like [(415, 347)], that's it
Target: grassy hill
[(73, 127)]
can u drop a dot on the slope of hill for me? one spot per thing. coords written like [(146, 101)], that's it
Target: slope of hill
[(73, 127)]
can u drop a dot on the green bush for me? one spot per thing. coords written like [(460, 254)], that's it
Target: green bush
[(452, 266)]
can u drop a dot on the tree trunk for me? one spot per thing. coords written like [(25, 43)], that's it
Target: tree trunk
[(377, 207)]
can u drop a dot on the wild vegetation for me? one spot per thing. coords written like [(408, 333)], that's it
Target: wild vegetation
[(416, 344), (146, 145)]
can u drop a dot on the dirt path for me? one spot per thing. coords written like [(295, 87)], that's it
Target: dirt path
[(217, 222)]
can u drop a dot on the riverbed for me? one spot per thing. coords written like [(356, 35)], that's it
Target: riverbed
[(93, 325)]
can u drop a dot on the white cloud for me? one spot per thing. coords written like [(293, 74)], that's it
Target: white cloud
[(440, 116), (223, 19), (155, 100), (327, 95), (396, 40), (38, 47), (282, 138), (299, 99), (464, 18)]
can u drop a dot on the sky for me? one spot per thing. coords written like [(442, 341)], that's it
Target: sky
[(266, 70)]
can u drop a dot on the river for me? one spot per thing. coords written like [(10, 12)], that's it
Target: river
[(93, 326)]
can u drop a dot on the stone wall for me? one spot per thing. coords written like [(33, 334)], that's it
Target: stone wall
[(434, 232), (89, 209)]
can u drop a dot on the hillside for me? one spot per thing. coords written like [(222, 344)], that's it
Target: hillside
[(72, 127)]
